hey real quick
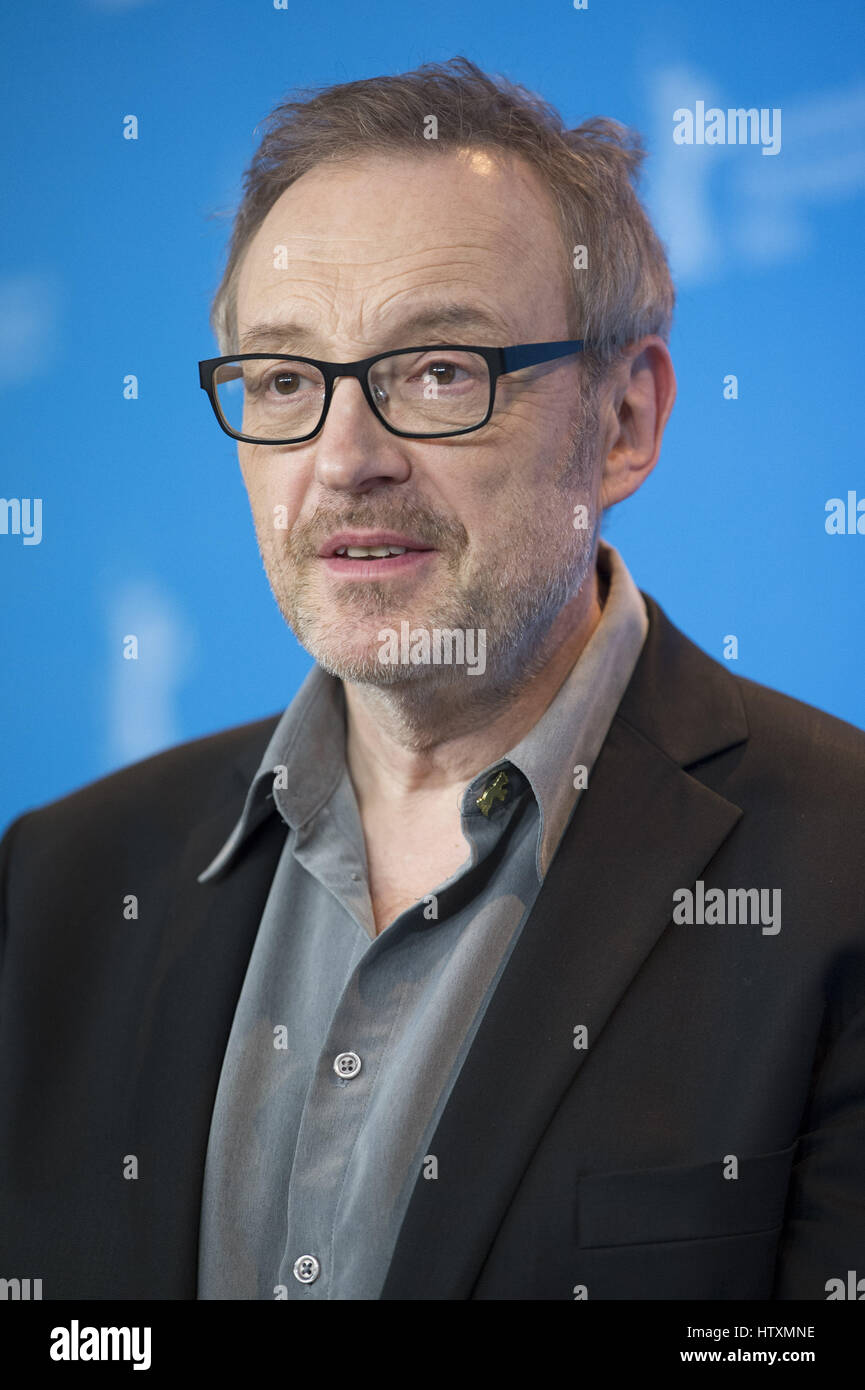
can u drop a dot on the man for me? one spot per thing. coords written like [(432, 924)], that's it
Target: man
[(522, 956)]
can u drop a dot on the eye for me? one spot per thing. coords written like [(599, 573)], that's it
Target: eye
[(285, 383), (444, 373)]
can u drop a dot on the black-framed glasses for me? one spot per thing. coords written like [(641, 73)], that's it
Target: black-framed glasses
[(417, 392)]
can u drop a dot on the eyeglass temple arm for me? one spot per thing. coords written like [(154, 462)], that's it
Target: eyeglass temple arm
[(532, 354)]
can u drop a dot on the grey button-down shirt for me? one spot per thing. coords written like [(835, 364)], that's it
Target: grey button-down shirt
[(345, 1045)]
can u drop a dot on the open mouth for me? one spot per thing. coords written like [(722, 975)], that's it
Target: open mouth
[(367, 561), (371, 552)]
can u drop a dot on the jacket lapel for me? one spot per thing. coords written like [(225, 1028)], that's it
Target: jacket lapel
[(643, 828), (193, 984)]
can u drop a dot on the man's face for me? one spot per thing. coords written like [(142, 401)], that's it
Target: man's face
[(372, 247)]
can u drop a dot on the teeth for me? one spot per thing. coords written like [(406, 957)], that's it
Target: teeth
[(378, 552)]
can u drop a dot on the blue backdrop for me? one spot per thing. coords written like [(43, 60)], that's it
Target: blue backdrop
[(111, 249)]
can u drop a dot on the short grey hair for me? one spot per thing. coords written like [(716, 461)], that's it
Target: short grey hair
[(626, 291)]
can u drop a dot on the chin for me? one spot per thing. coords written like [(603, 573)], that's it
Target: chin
[(364, 668)]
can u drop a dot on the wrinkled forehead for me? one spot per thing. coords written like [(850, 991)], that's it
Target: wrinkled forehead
[(366, 238)]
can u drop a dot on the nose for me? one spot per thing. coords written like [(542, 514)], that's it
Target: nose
[(353, 450)]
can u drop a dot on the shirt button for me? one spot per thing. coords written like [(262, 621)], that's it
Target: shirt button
[(347, 1064), (306, 1269)]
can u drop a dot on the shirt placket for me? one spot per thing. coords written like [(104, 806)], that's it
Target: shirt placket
[(333, 1118)]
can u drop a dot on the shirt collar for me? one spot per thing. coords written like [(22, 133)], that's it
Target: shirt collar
[(300, 766), (305, 757), (572, 729)]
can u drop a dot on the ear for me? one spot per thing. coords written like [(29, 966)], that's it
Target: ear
[(638, 406)]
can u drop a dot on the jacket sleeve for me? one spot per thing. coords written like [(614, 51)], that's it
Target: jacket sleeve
[(824, 1232)]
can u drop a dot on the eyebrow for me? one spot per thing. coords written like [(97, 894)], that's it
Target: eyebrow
[(438, 321)]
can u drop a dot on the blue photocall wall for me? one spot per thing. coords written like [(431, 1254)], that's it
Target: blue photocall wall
[(112, 248)]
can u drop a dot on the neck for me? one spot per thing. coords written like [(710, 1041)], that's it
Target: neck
[(407, 743)]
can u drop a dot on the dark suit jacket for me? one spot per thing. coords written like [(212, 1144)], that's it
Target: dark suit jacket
[(560, 1168)]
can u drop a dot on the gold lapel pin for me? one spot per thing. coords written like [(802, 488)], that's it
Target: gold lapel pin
[(495, 791)]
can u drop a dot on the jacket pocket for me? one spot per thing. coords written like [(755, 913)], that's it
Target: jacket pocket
[(686, 1202)]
